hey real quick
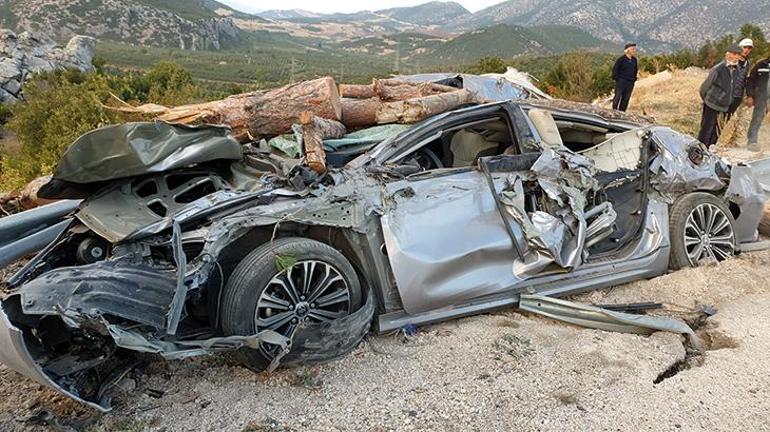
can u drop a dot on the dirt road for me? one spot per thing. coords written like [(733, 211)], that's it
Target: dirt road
[(490, 372)]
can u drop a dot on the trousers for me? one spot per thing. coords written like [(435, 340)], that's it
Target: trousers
[(623, 90)]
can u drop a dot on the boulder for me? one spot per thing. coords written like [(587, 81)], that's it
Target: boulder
[(28, 53), (12, 86)]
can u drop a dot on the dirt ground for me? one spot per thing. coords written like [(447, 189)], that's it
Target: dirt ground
[(489, 372)]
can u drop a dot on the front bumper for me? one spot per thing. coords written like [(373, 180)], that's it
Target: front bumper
[(15, 354)]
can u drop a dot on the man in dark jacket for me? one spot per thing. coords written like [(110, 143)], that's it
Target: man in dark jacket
[(624, 74), (742, 75), (717, 95), (757, 96)]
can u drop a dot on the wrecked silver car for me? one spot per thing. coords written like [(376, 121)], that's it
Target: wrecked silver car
[(187, 243)]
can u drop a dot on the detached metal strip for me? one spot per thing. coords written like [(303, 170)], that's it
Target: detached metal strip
[(31, 243), (20, 225), (598, 318)]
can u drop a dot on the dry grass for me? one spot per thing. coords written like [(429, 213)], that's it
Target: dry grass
[(672, 98)]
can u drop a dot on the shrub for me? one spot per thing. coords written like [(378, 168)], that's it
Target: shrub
[(170, 84), (488, 65), (55, 113)]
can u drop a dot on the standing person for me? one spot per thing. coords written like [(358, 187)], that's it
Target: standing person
[(757, 97), (744, 66), (717, 95), (624, 74)]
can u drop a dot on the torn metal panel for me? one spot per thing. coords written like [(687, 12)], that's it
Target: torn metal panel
[(133, 149), (118, 212), (123, 289), (683, 165), (558, 231), (747, 192), (16, 355), (180, 293), (182, 349), (598, 318)]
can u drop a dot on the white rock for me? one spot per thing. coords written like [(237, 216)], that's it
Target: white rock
[(12, 87)]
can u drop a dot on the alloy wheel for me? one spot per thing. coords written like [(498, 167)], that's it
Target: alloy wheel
[(708, 233), (308, 291)]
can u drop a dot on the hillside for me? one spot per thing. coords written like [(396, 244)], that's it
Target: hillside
[(186, 24), (539, 40), (432, 13), (671, 23)]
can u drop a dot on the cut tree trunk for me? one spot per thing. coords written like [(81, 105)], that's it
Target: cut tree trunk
[(391, 90), (358, 113), (418, 109), (258, 114), (357, 91), (27, 198), (314, 131)]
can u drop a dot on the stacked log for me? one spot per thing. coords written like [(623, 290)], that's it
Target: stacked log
[(392, 90), (255, 115), (314, 131), (26, 198)]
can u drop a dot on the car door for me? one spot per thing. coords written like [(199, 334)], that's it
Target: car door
[(445, 236)]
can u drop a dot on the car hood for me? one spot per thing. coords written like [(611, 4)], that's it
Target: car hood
[(133, 149)]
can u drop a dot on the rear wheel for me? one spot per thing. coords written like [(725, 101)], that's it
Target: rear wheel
[(283, 283), (702, 227)]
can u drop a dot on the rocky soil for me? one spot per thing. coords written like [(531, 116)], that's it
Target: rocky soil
[(489, 372)]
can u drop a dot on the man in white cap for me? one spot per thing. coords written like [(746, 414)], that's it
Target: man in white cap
[(757, 97), (741, 75)]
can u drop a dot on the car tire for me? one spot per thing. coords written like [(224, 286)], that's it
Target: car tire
[(254, 295), (701, 226)]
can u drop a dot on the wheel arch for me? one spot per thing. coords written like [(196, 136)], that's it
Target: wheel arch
[(332, 236)]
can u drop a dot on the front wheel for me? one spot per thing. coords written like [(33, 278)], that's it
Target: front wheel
[(702, 227), (283, 283)]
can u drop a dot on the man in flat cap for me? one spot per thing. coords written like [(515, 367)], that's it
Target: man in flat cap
[(717, 93), (624, 74), (741, 77)]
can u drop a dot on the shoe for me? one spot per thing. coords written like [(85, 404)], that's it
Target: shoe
[(753, 146)]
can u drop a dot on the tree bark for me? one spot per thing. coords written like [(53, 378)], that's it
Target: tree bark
[(359, 113), (391, 90), (27, 198), (357, 91), (258, 114), (314, 131), (418, 109)]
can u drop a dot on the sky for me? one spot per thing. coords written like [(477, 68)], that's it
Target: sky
[(330, 6)]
